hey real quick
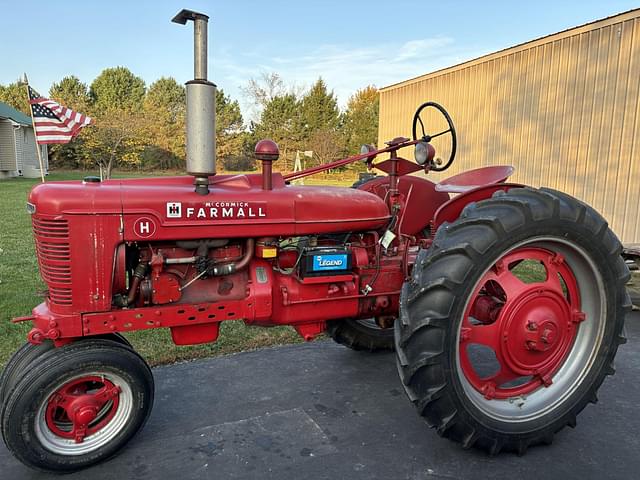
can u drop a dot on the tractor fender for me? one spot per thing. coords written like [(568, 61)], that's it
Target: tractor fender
[(451, 210), (419, 196)]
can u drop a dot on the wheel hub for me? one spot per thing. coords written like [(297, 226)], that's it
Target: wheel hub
[(537, 332), (529, 325), (82, 407)]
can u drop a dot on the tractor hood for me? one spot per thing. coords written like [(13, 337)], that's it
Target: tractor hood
[(168, 208)]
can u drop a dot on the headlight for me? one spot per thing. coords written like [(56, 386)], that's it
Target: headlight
[(366, 148), (424, 152)]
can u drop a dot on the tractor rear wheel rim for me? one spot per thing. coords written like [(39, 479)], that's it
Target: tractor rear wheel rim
[(84, 413), (544, 334)]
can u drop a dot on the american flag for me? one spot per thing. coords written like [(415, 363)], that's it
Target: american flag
[(53, 122)]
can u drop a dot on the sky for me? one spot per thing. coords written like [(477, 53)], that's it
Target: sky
[(350, 44)]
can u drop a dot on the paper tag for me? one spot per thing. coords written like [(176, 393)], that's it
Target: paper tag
[(387, 238)]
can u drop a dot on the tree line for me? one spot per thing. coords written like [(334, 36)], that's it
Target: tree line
[(143, 127)]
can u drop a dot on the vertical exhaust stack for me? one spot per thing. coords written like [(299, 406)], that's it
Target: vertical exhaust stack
[(201, 107)]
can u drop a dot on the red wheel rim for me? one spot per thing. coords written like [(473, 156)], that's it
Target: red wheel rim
[(82, 407), (530, 327)]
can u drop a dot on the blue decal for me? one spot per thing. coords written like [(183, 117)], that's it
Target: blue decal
[(329, 262)]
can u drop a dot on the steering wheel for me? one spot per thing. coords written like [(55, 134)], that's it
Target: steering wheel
[(427, 138)]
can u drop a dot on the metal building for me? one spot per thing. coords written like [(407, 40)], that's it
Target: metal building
[(563, 109), (18, 155)]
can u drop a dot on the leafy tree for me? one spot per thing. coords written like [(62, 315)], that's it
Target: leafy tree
[(168, 95), (239, 163), (15, 94), (280, 121), (115, 140), (319, 109), (164, 108), (117, 89), (121, 131), (327, 145), (72, 93), (228, 126), (360, 121)]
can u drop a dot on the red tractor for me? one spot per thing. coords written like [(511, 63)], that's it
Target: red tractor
[(490, 357)]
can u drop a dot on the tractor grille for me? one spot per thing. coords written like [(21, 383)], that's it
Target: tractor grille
[(54, 257)]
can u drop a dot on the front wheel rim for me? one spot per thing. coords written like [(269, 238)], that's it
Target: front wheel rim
[(544, 334), (84, 413)]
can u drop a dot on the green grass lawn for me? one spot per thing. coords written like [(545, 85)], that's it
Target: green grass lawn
[(20, 286)]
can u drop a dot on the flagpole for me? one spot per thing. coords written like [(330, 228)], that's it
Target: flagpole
[(35, 134)]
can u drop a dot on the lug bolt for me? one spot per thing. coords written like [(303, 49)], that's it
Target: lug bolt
[(557, 259), (547, 336), (489, 390), (465, 334), (577, 316)]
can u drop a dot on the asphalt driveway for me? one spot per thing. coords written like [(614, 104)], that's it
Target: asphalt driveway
[(319, 411)]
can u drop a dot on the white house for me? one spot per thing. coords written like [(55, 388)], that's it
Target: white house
[(18, 155)]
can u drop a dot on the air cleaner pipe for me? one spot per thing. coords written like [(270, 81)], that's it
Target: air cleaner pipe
[(227, 268), (138, 274)]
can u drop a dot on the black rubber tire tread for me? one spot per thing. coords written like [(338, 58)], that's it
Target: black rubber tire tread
[(19, 362), (432, 303), (21, 406), (357, 336)]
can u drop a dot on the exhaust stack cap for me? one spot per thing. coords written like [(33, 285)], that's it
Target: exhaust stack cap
[(201, 107), (183, 15)]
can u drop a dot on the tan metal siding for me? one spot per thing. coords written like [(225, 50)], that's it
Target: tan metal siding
[(565, 110)]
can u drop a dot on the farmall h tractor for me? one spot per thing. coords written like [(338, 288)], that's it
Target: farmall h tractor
[(397, 263)]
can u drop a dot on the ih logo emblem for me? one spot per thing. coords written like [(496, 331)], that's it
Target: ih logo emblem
[(174, 210)]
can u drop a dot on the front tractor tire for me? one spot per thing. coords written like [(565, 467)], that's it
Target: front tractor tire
[(512, 319), (78, 406)]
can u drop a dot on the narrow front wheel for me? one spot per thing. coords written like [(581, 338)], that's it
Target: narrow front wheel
[(82, 403)]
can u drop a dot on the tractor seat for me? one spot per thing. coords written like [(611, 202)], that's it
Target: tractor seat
[(465, 181)]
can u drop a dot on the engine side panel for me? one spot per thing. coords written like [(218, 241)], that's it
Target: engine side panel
[(237, 207)]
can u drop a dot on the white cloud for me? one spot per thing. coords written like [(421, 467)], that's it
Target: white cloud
[(344, 68)]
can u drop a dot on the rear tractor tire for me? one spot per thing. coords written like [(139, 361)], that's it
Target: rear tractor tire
[(512, 319), (81, 405)]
